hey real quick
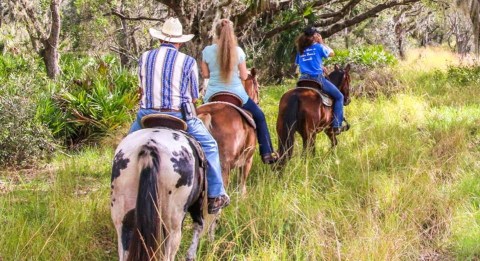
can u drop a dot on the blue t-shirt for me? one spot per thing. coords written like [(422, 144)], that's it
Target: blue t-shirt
[(310, 61), (215, 84)]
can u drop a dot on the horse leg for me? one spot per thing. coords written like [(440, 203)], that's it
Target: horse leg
[(172, 242), (331, 135), (192, 250), (197, 216), (309, 135), (225, 163), (123, 201), (309, 143), (124, 233), (213, 219), (245, 170), (172, 225)]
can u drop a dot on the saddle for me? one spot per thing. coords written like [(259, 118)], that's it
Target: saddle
[(163, 120), (226, 97), (174, 123), (316, 86), (234, 101)]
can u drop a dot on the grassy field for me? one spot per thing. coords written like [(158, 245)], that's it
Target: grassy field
[(403, 184)]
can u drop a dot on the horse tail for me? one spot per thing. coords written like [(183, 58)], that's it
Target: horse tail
[(289, 126), (207, 120), (148, 233)]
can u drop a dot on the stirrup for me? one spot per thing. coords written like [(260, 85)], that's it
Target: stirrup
[(217, 203), (270, 158), (338, 130)]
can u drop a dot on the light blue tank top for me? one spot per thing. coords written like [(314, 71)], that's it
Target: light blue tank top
[(215, 84)]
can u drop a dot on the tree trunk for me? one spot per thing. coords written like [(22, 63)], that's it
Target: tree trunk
[(347, 39), (50, 57), (1, 15), (123, 38), (50, 52), (124, 43), (400, 33)]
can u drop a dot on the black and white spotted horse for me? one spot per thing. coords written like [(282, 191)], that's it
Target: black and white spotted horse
[(156, 180)]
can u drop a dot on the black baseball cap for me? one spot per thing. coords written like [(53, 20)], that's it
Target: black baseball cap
[(310, 30)]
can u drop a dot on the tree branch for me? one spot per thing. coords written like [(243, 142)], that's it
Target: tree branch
[(249, 14), (33, 22), (281, 28), (54, 36), (225, 3), (342, 12), (359, 18), (138, 18)]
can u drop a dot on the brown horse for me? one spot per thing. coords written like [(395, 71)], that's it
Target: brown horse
[(235, 135), (302, 110)]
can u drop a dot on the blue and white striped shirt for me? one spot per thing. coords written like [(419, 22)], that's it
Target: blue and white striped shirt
[(167, 77)]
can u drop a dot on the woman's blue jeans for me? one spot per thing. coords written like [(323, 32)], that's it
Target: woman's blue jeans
[(333, 91), (263, 134), (207, 142)]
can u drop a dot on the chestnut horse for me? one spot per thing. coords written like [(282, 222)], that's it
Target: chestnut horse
[(302, 110), (236, 137)]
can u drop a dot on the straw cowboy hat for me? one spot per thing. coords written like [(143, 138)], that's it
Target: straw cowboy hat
[(172, 31)]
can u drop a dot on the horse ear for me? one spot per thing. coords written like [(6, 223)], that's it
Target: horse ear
[(347, 68), (253, 71), (336, 67)]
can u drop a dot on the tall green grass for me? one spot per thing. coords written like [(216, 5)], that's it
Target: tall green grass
[(403, 184)]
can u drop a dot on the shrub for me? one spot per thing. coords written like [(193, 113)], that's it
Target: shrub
[(85, 109), (464, 75), (23, 139), (363, 58), (379, 81)]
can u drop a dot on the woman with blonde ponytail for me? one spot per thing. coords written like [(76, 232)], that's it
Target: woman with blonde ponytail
[(224, 64)]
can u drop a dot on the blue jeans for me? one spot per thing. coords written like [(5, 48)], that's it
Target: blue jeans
[(208, 143), (333, 91), (263, 135)]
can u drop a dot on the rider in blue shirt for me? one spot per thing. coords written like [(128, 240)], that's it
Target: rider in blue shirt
[(310, 54)]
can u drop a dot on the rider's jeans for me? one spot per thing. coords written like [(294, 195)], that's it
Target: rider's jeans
[(263, 136), (208, 143), (333, 91)]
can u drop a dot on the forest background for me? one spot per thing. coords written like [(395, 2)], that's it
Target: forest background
[(403, 183)]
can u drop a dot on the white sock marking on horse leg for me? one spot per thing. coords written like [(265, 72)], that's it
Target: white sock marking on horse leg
[(192, 250)]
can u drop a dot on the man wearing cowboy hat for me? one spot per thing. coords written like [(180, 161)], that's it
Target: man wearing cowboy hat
[(169, 81)]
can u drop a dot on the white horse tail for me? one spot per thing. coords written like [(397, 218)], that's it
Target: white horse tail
[(148, 233)]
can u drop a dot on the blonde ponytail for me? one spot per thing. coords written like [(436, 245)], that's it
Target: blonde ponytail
[(227, 56)]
